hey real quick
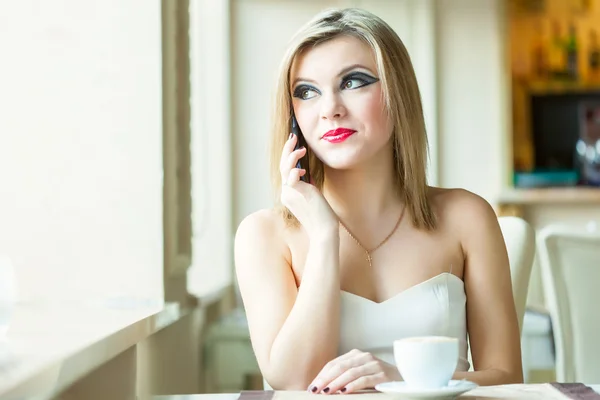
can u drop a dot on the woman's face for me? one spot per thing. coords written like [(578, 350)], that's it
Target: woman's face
[(338, 102)]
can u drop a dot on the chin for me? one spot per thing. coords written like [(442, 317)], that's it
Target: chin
[(342, 162), (350, 156)]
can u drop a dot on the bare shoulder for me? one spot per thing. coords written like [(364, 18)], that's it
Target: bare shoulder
[(461, 202), (463, 211), (259, 227), (261, 232), (258, 223)]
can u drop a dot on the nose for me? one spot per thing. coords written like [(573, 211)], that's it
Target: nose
[(332, 107)]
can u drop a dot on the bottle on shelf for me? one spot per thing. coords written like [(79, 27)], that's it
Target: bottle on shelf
[(539, 53), (556, 54), (571, 52), (594, 57)]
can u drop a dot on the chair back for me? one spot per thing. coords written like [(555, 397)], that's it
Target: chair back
[(519, 238), (570, 267)]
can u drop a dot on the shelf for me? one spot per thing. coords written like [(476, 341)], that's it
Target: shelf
[(561, 87), (570, 195)]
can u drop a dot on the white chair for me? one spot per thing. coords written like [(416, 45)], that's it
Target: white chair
[(570, 267), (519, 238)]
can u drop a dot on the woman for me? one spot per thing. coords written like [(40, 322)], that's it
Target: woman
[(366, 252)]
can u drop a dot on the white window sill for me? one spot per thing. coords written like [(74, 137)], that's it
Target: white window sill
[(43, 337)]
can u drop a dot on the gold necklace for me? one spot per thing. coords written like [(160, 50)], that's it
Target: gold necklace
[(369, 253)]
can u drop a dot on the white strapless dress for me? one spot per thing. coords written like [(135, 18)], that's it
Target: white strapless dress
[(436, 307)]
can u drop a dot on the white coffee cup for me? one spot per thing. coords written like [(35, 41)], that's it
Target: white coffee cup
[(426, 362)]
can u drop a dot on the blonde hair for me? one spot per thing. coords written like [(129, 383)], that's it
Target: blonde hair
[(401, 98)]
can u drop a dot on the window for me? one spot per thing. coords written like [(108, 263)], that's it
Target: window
[(81, 148), (211, 149)]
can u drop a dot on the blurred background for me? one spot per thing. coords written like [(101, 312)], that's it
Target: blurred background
[(133, 140)]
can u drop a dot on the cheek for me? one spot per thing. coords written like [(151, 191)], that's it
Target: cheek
[(307, 115), (371, 112)]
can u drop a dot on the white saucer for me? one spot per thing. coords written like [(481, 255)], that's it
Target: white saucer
[(403, 391)]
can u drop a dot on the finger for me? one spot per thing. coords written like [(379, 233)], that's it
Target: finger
[(364, 382), (336, 361), (289, 146), (345, 371), (291, 161), (336, 367), (294, 176), (350, 375)]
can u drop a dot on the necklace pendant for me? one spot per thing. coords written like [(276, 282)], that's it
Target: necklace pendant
[(369, 259)]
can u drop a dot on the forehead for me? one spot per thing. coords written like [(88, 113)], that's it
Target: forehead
[(327, 59)]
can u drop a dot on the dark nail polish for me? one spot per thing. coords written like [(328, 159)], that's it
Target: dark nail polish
[(326, 390), (313, 389), (343, 390)]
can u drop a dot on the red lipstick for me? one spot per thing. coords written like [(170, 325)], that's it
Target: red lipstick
[(338, 135)]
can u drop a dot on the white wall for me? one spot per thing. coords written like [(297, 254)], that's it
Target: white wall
[(80, 147), (473, 95)]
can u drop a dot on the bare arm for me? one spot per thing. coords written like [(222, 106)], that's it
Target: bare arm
[(491, 315), (294, 331)]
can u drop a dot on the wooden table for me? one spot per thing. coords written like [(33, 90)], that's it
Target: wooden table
[(509, 392)]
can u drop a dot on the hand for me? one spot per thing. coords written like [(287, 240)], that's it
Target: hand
[(353, 371), (304, 200)]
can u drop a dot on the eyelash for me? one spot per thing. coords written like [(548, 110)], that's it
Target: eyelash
[(356, 76)]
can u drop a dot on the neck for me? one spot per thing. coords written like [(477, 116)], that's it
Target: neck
[(365, 193)]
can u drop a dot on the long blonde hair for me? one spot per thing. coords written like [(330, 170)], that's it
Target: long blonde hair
[(401, 98)]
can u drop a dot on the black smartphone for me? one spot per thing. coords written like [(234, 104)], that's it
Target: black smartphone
[(301, 142)]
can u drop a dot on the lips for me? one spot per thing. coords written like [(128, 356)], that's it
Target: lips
[(338, 135)]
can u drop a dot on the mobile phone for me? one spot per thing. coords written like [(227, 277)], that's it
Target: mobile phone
[(301, 142)]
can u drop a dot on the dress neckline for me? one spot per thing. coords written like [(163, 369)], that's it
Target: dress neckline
[(407, 290)]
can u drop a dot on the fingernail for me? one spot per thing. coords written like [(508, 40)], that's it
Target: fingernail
[(313, 389), (289, 137), (343, 390), (326, 390)]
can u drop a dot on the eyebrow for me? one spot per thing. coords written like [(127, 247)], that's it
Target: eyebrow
[(342, 72)]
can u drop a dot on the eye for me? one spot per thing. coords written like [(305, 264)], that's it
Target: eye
[(354, 83), (305, 92), (357, 80)]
